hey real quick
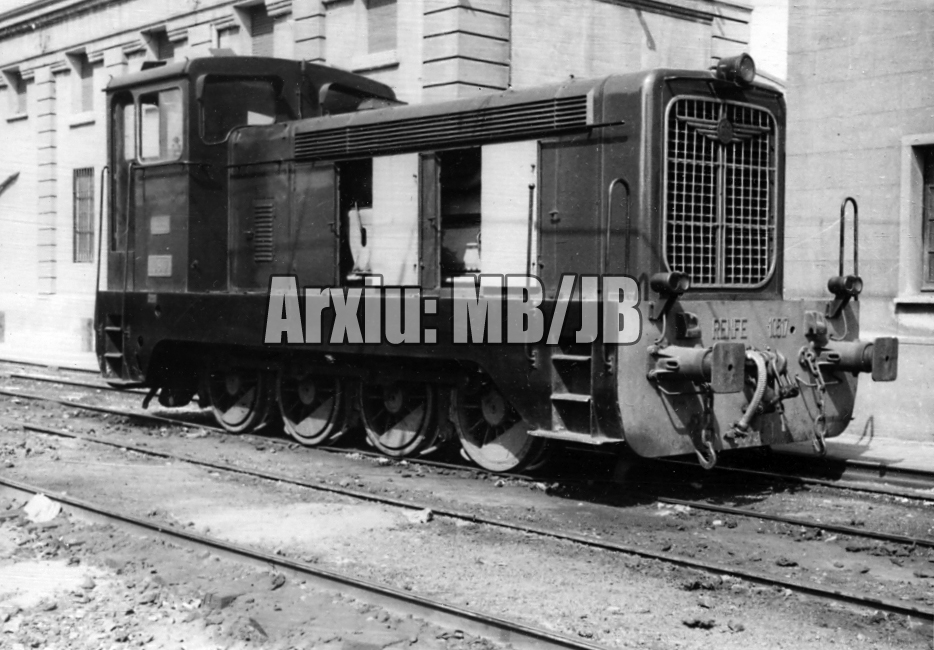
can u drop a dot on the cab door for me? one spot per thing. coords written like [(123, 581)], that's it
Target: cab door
[(159, 190)]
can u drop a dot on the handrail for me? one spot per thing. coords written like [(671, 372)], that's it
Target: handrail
[(100, 238), (609, 223), (850, 199)]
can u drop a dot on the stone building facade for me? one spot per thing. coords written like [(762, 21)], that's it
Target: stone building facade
[(861, 124), (56, 57)]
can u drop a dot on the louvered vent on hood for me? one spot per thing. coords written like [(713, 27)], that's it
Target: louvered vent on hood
[(481, 125)]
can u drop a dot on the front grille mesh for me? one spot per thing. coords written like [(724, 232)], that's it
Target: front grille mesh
[(720, 222)]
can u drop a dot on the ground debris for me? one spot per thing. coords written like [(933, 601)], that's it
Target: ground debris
[(41, 509), (736, 626), (699, 623), (420, 516), (708, 583)]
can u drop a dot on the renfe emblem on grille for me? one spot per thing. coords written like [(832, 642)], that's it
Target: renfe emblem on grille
[(724, 130)]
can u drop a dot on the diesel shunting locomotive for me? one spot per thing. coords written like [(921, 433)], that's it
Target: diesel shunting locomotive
[(228, 176)]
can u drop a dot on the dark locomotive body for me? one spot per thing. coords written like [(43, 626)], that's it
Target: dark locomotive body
[(285, 169)]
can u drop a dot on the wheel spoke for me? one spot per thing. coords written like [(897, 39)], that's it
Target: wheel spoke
[(399, 418), (320, 419), (239, 399), (496, 438)]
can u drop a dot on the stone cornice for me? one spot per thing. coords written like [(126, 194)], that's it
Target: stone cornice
[(44, 13), (698, 10)]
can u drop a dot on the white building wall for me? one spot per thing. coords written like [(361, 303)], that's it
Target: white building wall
[(443, 49)]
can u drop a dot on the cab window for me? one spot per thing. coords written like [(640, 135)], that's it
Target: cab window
[(161, 126), (229, 103)]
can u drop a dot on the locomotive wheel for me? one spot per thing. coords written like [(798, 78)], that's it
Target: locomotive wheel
[(311, 407), (491, 431), (399, 418), (239, 399)]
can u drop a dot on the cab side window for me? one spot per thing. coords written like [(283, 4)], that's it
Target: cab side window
[(161, 123), (229, 103)]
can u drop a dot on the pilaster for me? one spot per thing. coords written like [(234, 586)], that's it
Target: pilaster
[(47, 178), (309, 16), (466, 48)]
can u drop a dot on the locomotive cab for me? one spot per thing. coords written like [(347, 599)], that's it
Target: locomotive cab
[(169, 128), (168, 131)]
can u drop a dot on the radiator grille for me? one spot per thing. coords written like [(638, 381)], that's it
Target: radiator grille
[(720, 222), (263, 213), (486, 124)]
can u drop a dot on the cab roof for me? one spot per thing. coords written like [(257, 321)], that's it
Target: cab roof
[(317, 75)]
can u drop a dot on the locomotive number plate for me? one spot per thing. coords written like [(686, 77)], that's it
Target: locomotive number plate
[(159, 266), (778, 328)]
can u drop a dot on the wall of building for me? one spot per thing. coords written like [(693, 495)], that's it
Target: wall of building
[(861, 104), (427, 50)]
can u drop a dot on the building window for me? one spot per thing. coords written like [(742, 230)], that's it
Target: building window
[(83, 88), (262, 30), (228, 38), (84, 214), (915, 256), (160, 47), (927, 220), (381, 25), (17, 92)]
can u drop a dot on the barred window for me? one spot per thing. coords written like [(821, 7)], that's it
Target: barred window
[(84, 214)]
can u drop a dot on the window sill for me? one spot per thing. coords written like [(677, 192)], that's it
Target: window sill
[(18, 117), (374, 61), (82, 119), (915, 299)]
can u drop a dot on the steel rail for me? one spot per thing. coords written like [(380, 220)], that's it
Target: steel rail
[(806, 480), (874, 470), (794, 521), (438, 612), (892, 606), (75, 382), (37, 364), (109, 410)]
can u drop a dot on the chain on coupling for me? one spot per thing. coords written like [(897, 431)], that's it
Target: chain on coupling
[(706, 433), (820, 421)]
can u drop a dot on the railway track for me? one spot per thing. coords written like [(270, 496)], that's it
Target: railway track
[(696, 504), (847, 471), (519, 635), (873, 478), (886, 605)]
